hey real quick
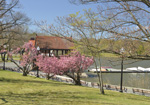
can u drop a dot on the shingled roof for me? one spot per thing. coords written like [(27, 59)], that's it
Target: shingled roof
[(51, 42)]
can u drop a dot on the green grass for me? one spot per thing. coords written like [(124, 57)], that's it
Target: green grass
[(109, 55), (18, 90), (16, 57)]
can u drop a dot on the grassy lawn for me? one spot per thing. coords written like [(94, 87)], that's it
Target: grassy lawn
[(109, 55), (18, 90)]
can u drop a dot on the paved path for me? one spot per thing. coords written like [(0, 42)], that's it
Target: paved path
[(9, 64)]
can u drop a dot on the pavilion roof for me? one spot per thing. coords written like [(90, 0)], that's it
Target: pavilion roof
[(52, 42)]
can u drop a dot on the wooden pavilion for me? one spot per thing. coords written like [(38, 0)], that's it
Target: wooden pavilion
[(53, 46)]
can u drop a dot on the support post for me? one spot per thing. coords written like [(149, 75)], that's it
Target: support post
[(45, 52), (62, 52), (56, 52), (66, 51), (49, 53)]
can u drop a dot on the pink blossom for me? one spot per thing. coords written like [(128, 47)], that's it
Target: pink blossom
[(48, 64), (2, 51), (28, 57), (75, 62)]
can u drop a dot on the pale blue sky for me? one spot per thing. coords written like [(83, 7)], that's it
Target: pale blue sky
[(48, 10)]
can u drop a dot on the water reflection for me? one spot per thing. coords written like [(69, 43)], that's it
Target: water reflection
[(139, 80)]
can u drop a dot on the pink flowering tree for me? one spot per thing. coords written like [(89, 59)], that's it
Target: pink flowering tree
[(48, 65), (26, 59), (72, 65)]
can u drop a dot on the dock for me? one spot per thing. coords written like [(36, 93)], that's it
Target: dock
[(127, 70), (124, 71)]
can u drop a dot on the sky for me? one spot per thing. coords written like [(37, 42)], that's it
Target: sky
[(48, 10)]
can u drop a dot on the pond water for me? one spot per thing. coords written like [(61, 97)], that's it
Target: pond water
[(139, 80)]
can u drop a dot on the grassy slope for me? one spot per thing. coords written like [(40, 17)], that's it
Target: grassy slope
[(18, 90)]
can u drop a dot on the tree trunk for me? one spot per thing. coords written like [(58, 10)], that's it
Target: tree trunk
[(78, 82), (101, 78), (47, 77), (25, 73)]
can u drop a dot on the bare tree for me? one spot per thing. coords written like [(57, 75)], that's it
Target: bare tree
[(128, 22), (146, 2), (11, 22), (8, 24), (9, 19), (6, 10)]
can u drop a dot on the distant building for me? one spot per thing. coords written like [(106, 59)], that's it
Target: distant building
[(51, 45)]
